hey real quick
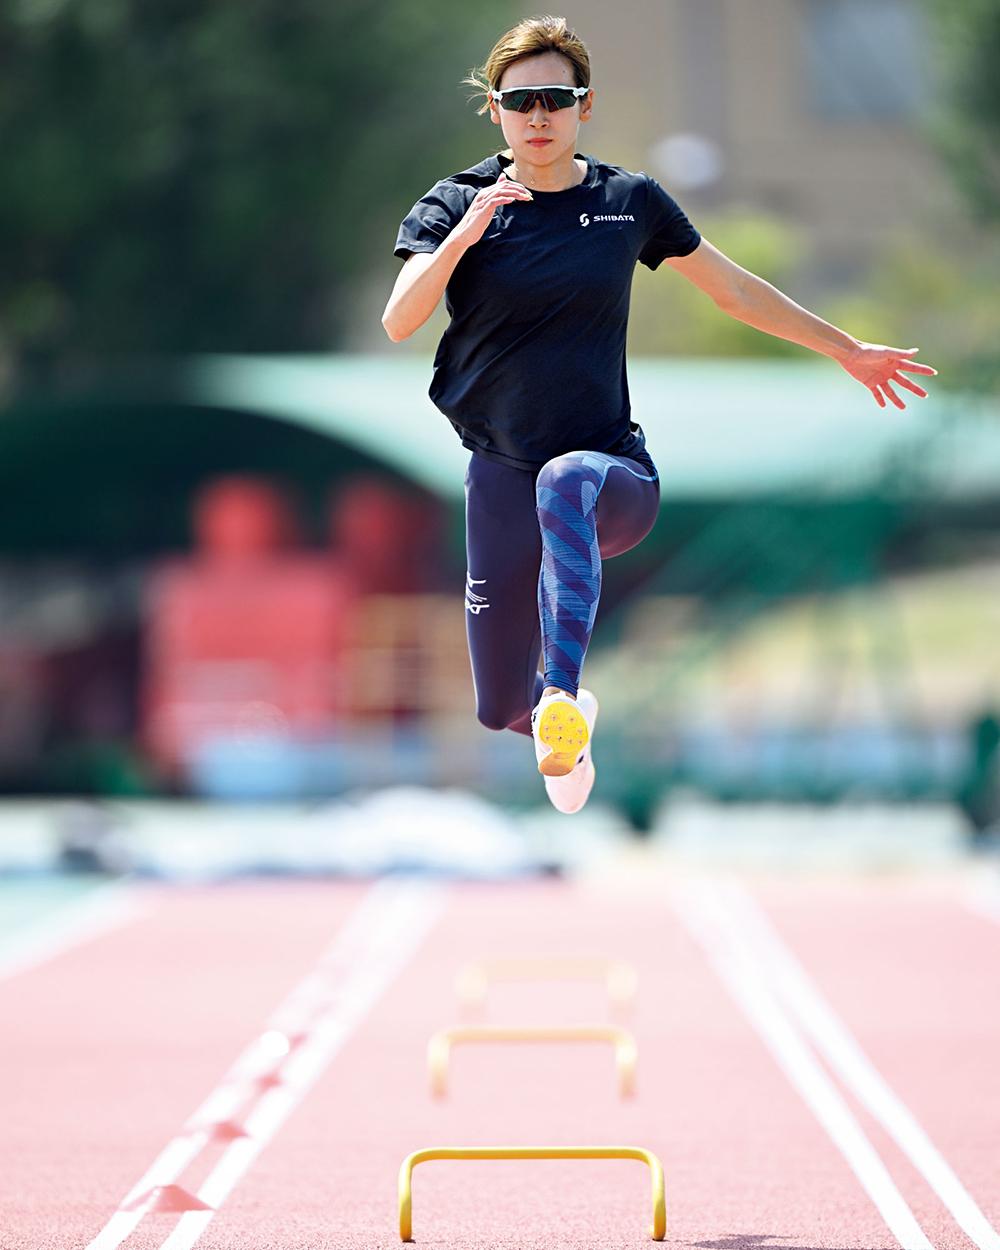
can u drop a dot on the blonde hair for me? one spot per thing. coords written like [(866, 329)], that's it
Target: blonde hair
[(530, 37)]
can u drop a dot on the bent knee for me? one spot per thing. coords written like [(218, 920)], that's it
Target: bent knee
[(497, 716), (560, 471)]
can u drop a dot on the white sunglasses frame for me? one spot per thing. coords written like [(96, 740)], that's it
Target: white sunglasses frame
[(552, 86)]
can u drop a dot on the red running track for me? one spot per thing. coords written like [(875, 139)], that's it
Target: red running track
[(109, 1049)]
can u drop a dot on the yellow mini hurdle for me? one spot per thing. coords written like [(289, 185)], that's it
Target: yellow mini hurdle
[(473, 981), (440, 1046), (657, 1231)]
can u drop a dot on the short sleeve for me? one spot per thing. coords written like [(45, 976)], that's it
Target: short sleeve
[(431, 219), (668, 231)]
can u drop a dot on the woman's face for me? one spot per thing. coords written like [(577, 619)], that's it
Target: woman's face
[(525, 132)]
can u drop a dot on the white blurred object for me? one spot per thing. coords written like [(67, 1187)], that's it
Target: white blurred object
[(687, 161), (403, 828), (408, 827), (90, 839), (796, 836)]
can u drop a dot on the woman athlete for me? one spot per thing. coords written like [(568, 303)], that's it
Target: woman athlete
[(533, 250)]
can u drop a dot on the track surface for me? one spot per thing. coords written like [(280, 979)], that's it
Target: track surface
[(109, 1047)]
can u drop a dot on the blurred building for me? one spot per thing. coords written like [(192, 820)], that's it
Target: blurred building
[(809, 109)]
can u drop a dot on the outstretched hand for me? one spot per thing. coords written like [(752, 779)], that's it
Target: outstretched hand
[(878, 367)]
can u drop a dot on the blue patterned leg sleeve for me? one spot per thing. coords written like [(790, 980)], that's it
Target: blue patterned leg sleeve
[(569, 582)]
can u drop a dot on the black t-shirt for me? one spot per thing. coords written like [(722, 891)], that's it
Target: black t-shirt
[(532, 363)]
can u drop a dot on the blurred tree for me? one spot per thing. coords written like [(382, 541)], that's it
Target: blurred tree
[(672, 317), (967, 123), (939, 291), (930, 287), (935, 284), (183, 176)]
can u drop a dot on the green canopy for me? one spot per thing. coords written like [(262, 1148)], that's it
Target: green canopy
[(715, 428), (113, 468)]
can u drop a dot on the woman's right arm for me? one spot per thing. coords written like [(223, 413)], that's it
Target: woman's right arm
[(424, 276), (419, 287)]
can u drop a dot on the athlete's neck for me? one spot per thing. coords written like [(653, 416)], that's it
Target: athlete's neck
[(559, 176)]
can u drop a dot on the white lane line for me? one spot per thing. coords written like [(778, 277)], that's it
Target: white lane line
[(321, 1011), (102, 910), (400, 929), (704, 916), (833, 1039)]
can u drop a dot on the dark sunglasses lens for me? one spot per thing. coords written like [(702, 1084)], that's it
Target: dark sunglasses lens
[(518, 101), (524, 101)]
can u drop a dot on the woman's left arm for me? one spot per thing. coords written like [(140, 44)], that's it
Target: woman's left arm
[(748, 298)]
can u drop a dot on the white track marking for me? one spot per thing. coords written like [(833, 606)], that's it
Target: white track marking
[(102, 910), (323, 1009), (744, 977), (402, 926), (831, 1036)]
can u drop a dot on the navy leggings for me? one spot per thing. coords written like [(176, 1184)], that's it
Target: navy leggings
[(535, 541)]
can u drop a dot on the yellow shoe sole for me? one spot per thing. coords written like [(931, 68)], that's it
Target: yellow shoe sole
[(563, 729)]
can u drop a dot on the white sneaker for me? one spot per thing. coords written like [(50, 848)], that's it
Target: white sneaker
[(562, 730)]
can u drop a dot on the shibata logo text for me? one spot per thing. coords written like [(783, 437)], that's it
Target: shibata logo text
[(585, 220)]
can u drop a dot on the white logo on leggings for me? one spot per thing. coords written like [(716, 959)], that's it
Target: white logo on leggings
[(473, 602)]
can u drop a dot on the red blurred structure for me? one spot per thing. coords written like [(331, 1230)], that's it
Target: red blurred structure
[(252, 635), (243, 636), (387, 540)]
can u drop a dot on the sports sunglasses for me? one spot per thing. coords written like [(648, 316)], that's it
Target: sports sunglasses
[(522, 99)]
